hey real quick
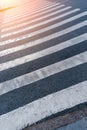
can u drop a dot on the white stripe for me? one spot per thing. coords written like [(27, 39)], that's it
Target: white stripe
[(42, 53), (50, 20), (55, 48), (65, 31), (39, 18), (43, 73), (35, 20), (44, 107), (32, 16), (31, 8), (43, 22), (48, 6), (45, 5), (24, 12), (5, 26)]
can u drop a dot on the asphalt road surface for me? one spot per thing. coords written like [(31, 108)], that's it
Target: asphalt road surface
[(79, 125), (43, 60)]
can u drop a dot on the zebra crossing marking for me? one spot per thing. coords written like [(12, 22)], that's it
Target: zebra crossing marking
[(33, 16), (30, 21), (38, 11), (62, 81), (44, 107), (43, 22), (47, 21), (60, 33), (38, 74), (47, 51), (44, 5)]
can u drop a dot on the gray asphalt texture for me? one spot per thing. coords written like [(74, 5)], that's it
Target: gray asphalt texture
[(79, 125)]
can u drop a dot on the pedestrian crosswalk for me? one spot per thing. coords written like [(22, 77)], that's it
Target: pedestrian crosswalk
[(43, 62)]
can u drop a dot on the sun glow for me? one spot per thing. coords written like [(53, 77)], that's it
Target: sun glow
[(8, 3)]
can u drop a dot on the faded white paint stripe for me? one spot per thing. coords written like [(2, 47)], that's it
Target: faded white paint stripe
[(47, 6), (44, 107), (31, 11), (39, 18), (42, 73), (42, 53), (43, 5), (8, 19), (50, 20), (47, 21), (35, 20), (26, 13), (60, 33), (50, 50), (33, 14), (36, 4)]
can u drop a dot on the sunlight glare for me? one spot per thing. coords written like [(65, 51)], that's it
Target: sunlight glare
[(8, 3)]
